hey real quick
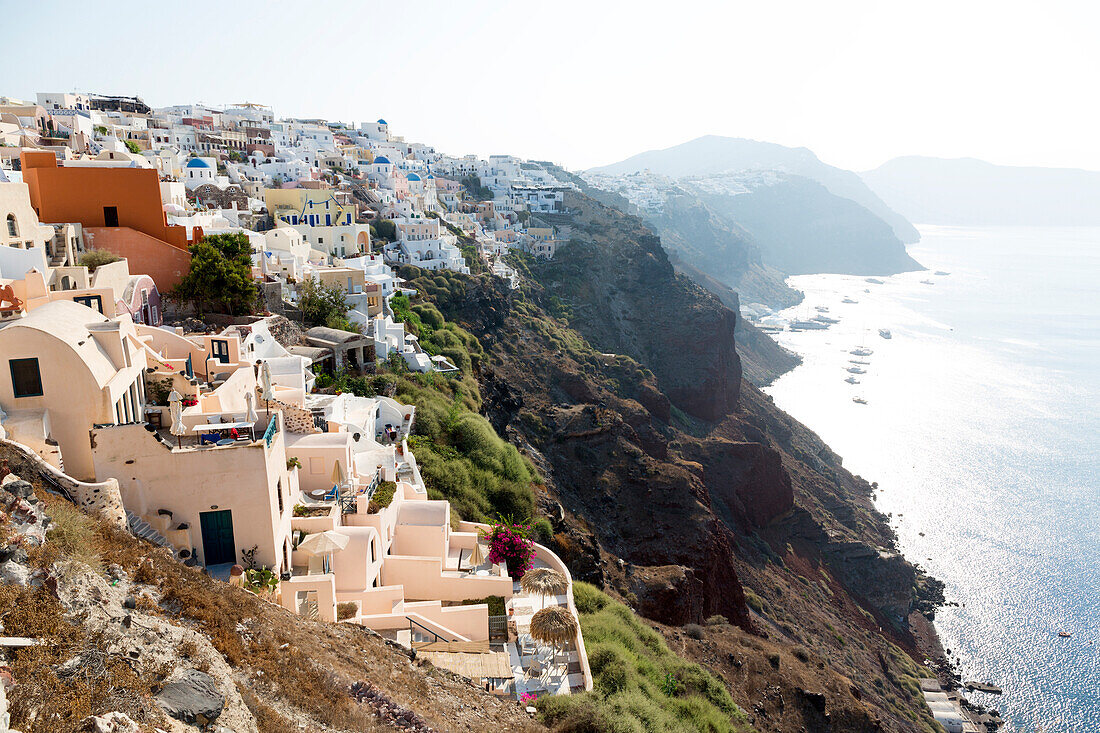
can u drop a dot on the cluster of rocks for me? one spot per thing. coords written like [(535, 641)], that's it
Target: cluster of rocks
[(390, 712), (27, 524)]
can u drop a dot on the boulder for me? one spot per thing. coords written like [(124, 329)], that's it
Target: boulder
[(19, 488), (12, 573), (193, 698), (110, 723)]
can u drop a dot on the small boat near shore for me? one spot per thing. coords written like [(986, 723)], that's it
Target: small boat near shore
[(1064, 634), (927, 282), (858, 361), (849, 300), (822, 309), (861, 351), (826, 319), (859, 400), (941, 273), (852, 380), (857, 370), (982, 687), (874, 280), (808, 325), (885, 333)]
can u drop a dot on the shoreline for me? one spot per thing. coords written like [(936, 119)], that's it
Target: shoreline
[(926, 638)]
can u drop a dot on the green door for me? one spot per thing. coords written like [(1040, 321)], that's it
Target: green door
[(217, 537)]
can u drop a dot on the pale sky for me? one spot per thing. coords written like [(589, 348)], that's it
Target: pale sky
[(588, 83)]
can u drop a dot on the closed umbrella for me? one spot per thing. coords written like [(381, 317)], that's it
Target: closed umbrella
[(543, 582), (175, 409), (266, 392), (250, 415), (337, 478), (478, 555)]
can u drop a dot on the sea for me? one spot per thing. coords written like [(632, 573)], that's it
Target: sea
[(980, 427)]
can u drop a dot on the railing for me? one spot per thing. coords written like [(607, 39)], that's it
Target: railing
[(425, 628), (498, 628), (319, 421)]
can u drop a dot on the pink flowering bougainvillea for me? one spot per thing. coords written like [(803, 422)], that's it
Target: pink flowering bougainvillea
[(509, 544)]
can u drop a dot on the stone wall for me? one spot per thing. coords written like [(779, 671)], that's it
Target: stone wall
[(297, 419), (98, 499), (214, 197)]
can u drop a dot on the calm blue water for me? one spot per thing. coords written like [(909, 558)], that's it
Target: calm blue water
[(981, 429)]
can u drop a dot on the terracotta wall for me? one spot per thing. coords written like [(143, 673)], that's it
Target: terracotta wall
[(148, 255), (80, 194)]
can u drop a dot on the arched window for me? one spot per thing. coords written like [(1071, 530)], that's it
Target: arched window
[(13, 228)]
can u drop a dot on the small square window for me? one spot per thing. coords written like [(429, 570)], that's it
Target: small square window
[(26, 380)]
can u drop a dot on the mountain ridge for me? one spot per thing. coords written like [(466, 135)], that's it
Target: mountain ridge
[(974, 192)]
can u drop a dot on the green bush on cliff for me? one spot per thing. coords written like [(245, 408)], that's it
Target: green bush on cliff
[(461, 457), (639, 683)]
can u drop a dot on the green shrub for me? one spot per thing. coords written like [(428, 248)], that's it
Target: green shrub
[(717, 620), (93, 258), (640, 685), (544, 530), (695, 631)]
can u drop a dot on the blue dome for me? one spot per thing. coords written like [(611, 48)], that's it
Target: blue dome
[(414, 177), (431, 177), (382, 122), (382, 159), (198, 163)]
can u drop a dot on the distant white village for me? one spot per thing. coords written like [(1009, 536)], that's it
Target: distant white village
[(213, 442)]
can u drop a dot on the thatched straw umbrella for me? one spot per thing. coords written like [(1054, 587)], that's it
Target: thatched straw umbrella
[(554, 625), (543, 582)]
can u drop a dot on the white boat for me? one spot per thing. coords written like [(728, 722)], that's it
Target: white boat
[(849, 300), (826, 319), (807, 325), (861, 351), (859, 400), (769, 327), (822, 309), (927, 282), (885, 333), (942, 273), (857, 370), (874, 280), (852, 380), (858, 361)]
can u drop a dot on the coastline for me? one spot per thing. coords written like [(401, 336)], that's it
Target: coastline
[(927, 642)]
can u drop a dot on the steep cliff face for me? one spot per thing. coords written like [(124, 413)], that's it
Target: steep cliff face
[(688, 495)]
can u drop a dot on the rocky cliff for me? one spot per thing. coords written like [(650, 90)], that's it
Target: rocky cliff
[(679, 486)]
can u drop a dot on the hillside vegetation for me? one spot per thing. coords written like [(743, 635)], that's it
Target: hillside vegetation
[(640, 685)]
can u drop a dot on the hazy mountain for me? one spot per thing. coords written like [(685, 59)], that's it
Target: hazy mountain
[(966, 191), (800, 227), (715, 154)]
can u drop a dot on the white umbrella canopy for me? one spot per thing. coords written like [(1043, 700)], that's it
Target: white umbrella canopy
[(324, 542), (175, 409)]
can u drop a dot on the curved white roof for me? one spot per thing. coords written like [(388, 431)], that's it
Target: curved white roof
[(69, 322)]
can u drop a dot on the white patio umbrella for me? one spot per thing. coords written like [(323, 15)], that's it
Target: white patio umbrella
[(323, 544), (266, 392), (175, 409)]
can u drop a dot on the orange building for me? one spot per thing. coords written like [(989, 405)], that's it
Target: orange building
[(120, 209)]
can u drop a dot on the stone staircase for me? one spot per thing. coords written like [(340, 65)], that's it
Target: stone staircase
[(140, 528)]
